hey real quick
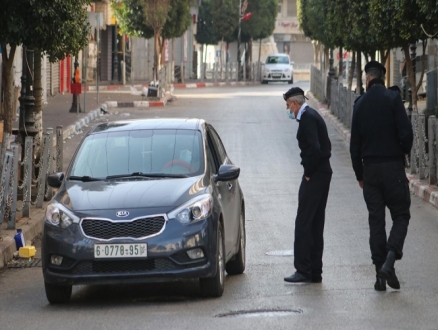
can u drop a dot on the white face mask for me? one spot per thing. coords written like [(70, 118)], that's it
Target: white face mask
[(290, 114)]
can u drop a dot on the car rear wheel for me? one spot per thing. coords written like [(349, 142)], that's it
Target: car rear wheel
[(214, 286), (236, 265), (57, 294)]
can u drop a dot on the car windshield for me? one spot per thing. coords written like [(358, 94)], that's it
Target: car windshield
[(173, 152), (277, 60)]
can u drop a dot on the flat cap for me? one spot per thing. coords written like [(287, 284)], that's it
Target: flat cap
[(375, 65), (294, 91)]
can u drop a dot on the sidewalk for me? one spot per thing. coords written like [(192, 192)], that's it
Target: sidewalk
[(56, 113), (420, 188)]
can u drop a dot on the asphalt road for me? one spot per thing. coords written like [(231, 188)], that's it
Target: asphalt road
[(261, 140)]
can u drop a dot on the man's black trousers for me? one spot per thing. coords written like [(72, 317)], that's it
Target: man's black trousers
[(386, 185), (309, 224)]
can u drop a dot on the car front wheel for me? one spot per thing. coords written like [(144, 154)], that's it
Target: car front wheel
[(236, 265), (214, 286), (57, 294)]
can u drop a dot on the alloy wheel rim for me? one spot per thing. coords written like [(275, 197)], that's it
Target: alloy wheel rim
[(242, 239), (221, 260)]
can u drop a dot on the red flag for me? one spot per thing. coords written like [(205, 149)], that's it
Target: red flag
[(246, 17)]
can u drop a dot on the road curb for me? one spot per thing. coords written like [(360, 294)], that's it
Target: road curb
[(177, 85), (420, 188), (215, 84)]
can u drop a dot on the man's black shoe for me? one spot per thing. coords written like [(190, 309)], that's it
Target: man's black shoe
[(390, 277), (388, 271), (380, 284), (316, 279), (297, 278)]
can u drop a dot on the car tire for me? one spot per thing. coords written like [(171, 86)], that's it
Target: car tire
[(214, 286), (264, 82), (236, 266), (57, 294)]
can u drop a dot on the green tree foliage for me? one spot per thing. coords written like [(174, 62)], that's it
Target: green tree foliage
[(129, 15), (262, 22), (178, 19), (225, 17), (313, 20), (205, 34), (54, 27)]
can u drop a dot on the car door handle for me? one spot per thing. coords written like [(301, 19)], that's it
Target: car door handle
[(230, 186)]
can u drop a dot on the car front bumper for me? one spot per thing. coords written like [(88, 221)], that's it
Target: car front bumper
[(277, 76), (166, 256)]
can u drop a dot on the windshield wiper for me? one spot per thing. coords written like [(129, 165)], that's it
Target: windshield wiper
[(147, 175), (84, 178)]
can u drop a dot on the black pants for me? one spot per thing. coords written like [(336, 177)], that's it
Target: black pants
[(386, 185), (309, 224)]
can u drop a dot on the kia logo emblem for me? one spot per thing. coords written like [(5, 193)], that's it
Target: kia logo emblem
[(121, 214)]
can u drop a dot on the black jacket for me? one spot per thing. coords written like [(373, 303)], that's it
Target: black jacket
[(314, 143), (380, 129)]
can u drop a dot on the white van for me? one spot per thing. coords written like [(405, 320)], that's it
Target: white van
[(278, 67)]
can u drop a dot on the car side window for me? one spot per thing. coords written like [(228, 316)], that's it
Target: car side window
[(219, 146), (212, 153)]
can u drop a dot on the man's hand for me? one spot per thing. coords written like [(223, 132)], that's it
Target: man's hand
[(307, 178), (361, 184)]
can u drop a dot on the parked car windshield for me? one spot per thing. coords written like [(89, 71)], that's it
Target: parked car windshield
[(173, 152), (277, 60)]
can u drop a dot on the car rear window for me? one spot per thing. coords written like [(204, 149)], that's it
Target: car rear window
[(277, 60), (145, 151)]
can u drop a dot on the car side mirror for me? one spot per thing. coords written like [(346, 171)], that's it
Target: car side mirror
[(227, 173), (55, 180)]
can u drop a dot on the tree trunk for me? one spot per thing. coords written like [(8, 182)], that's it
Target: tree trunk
[(315, 53), (156, 56), (423, 64), (221, 55), (359, 88), (351, 71), (38, 95), (341, 63), (8, 87), (411, 77)]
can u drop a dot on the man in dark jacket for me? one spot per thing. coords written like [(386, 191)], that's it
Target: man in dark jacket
[(381, 136), (315, 147)]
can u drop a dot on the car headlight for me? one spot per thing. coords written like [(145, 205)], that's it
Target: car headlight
[(56, 215), (287, 70), (267, 70), (194, 210)]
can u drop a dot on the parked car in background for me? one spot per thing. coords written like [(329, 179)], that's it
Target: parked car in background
[(278, 67), (144, 200)]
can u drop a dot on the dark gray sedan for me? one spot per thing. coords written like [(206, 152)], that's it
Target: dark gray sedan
[(143, 201)]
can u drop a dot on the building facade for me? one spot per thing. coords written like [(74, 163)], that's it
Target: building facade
[(288, 37)]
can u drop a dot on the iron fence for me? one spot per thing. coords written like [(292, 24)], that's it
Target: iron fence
[(16, 190)]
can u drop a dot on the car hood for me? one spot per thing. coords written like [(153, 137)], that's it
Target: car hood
[(277, 66), (129, 194)]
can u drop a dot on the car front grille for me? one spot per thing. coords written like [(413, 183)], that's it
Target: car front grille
[(124, 266), (105, 229)]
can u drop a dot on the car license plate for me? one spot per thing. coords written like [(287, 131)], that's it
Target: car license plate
[(276, 75), (120, 250)]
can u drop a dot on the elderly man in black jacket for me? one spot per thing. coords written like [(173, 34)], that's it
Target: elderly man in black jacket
[(381, 136), (315, 147)]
